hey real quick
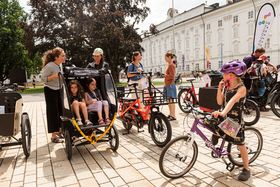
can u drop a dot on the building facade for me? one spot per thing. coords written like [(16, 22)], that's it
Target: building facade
[(218, 33)]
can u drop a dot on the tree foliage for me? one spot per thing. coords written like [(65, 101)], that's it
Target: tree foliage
[(79, 26), (12, 50)]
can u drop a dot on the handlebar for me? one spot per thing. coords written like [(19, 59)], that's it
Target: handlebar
[(10, 88), (141, 73)]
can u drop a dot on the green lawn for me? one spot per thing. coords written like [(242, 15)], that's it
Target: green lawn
[(39, 89)]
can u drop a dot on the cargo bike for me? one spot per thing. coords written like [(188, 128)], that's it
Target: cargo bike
[(78, 135), (13, 120), (134, 112)]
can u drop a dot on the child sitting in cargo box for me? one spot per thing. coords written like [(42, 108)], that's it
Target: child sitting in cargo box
[(78, 103)]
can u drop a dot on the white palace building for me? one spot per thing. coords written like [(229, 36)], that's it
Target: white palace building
[(225, 31)]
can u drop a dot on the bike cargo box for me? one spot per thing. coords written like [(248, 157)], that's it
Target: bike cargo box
[(10, 116), (207, 99)]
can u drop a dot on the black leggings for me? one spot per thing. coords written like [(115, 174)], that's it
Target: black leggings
[(54, 109)]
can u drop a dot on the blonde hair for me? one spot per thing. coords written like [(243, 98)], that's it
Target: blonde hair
[(50, 55)]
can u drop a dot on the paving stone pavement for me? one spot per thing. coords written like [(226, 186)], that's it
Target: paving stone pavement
[(134, 164)]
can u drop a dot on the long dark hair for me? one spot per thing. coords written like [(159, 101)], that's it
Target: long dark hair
[(50, 55), (80, 89)]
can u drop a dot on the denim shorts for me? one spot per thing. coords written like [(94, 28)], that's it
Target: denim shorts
[(170, 91)]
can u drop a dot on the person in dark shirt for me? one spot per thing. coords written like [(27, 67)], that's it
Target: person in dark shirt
[(248, 61), (78, 103), (99, 63)]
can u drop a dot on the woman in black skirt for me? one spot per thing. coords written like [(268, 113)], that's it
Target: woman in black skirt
[(52, 60)]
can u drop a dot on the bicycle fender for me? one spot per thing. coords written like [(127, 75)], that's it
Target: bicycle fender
[(183, 87)]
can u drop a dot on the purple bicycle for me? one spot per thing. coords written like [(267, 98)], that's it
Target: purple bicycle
[(180, 154)]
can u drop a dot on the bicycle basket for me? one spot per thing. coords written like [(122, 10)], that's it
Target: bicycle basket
[(230, 127), (155, 97)]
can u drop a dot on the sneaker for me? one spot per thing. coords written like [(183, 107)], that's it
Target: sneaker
[(244, 175), (215, 139), (79, 121), (88, 123)]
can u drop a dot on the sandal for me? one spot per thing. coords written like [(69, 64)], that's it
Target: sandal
[(107, 121), (171, 118), (56, 140), (88, 123), (101, 122)]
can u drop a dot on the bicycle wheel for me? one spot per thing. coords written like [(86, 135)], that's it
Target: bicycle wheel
[(178, 157), (251, 112), (68, 144), (186, 97), (275, 104), (253, 144), (25, 134), (114, 138), (160, 129)]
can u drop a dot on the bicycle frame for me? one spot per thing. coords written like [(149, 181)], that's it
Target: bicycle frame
[(133, 106), (219, 151)]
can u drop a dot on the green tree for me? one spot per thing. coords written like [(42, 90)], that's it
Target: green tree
[(80, 26), (12, 50)]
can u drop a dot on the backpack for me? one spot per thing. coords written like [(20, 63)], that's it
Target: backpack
[(133, 69), (256, 70)]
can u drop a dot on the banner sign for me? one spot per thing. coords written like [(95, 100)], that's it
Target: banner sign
[(263, 24)]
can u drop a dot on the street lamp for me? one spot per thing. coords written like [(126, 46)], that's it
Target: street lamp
[(173, 27)]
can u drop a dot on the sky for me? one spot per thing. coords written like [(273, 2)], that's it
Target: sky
[(158, 9)]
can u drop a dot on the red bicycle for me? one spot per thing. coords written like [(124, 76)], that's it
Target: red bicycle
[(132, 113)]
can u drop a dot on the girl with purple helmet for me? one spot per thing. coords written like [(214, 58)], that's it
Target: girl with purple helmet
[(231, 94)]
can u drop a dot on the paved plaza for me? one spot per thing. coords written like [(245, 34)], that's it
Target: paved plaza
[(134, 164)]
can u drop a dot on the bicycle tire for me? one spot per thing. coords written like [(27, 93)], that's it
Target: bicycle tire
[(114, 138), (235, 157), (275, 101), (178, 161), (157, 125), (68, 144), (249, 107), (182, 102), (26, 134)]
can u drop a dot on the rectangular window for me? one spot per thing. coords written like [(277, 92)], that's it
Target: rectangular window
[(196, 66), (235, 19), (220, 64), (250, 28), (267, 44), (220, 23), (208, 26), (250, 14), (187, 67)]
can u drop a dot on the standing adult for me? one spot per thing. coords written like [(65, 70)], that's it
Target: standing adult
[(136, 67), (98, 62), (248, 61), (169, 84), (50, 76)]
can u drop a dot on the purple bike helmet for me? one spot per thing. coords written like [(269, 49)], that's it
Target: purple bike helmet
[(237, 67)]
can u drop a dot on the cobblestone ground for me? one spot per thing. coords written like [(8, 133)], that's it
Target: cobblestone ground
[(134, 164)]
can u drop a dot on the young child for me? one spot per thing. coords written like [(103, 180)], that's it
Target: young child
[(78, 103), (95, 102), (232, 100)]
